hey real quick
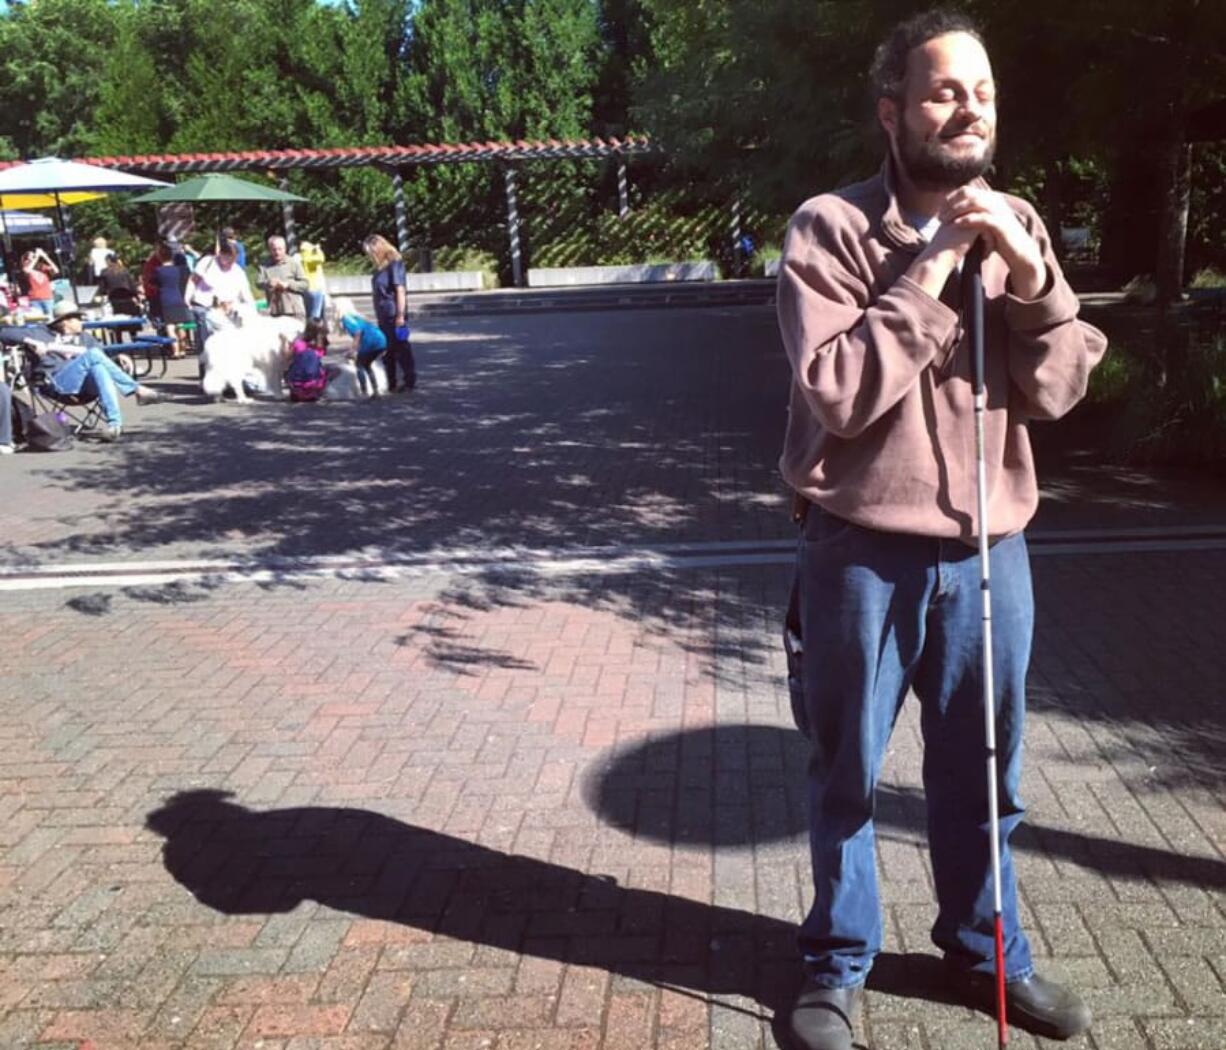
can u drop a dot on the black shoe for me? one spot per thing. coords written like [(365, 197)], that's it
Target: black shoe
[(821, 1017), (1035, 1005)]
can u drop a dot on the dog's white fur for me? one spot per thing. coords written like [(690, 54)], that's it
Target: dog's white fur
[(343, 382), (244, 342)]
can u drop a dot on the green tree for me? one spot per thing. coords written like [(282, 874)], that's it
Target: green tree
[(484, 70), (54, 53)]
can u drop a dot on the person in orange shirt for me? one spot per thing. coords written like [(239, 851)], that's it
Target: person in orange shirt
[(37, 272)]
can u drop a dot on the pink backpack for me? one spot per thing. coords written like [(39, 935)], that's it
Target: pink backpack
[(306, 375)]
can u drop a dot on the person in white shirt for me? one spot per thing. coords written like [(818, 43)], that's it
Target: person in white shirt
[(218, 281), (97, 257)]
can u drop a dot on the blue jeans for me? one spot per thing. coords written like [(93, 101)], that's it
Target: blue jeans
[(882, 614), (366, 377), (399, 356), (6, 414), (314, 303), (92, 372)]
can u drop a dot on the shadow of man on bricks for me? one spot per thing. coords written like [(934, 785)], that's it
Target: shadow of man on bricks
[(240, 861)]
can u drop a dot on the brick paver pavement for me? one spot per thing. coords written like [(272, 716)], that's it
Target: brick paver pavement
[(516, 811)]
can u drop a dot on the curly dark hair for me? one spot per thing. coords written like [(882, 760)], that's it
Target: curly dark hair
[(888, 73)]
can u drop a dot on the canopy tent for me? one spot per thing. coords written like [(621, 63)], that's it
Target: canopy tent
[(46, 200), (220, 187), (20, 224), (50, 182), (215, 186), (23, 222), (64, 182)]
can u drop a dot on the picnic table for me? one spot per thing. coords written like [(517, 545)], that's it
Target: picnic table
[(140, 349), (114, 329)]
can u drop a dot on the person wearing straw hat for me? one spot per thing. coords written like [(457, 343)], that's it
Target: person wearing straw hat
[(76, 364), (879, 450)]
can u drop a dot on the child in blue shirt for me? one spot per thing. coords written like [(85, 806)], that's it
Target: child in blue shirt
[(369, 344)]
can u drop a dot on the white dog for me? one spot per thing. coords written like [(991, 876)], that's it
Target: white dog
[(343, 382), (242, 343)]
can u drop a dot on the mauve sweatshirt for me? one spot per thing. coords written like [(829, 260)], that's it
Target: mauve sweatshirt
[(881, 425)]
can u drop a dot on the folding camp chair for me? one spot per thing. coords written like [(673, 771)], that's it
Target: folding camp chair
[(82, 411)]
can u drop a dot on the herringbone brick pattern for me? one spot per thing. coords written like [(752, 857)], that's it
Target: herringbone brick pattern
[(437, 814), (498, 811)]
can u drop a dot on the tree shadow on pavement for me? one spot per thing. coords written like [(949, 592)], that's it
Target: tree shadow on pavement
[(528, 432), (740, 785), (532, 433)]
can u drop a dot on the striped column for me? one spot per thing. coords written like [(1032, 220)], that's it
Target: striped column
[(517, 264), (734, 230), (402, 213), (287, 216), (623, 187)]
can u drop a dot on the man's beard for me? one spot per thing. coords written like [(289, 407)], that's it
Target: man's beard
[(932, 168)]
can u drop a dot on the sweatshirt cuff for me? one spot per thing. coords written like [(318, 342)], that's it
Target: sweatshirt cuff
[(937, 321), (1057, 304)]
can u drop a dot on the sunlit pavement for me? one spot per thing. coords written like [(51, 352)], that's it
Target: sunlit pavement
[(468, 728)]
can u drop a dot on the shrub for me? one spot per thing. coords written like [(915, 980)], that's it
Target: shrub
[(462, 258), (1180, 421), (1209, 277)]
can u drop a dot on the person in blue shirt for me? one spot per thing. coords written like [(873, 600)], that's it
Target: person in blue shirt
[(387, 288), (369, 344)]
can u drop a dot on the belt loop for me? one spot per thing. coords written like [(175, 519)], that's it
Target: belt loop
[(800, 508)]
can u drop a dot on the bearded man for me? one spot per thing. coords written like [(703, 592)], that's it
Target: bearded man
[(880, 452)]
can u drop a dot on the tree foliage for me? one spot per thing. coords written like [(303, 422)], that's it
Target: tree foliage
[(771, 94), (761, 100)]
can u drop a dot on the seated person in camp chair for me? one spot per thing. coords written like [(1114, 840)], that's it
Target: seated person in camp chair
[(75, 365), (6, 417)]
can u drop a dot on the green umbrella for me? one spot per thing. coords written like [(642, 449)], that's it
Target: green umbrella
[(215, 186)]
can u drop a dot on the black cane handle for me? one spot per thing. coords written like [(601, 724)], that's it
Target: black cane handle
[(972, 309)]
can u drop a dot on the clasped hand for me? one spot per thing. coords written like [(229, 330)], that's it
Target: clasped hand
[(971, 212)]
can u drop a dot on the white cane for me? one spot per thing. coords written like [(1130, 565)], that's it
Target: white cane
[(973, 317)]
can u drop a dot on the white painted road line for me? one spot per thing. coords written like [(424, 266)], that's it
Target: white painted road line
[(513, 562)]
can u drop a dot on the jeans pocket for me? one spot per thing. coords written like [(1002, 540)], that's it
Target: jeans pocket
[(823, 527)]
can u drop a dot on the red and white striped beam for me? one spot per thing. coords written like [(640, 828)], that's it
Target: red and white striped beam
[(374, 156)]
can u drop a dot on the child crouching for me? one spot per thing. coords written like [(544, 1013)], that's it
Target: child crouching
[(306, 377), (369, 344)]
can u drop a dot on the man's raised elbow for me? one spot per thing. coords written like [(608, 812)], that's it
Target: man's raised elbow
[(840, 420)]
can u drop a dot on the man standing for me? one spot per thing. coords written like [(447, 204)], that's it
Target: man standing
[(880, 452), (283, 281), (218, 282)]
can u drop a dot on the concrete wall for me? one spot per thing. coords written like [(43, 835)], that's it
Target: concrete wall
[(563, 276), (444, 281)]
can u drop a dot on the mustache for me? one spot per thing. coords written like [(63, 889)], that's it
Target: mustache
[(974, 128)]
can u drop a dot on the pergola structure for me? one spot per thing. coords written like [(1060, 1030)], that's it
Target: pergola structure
[(395, 160)]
